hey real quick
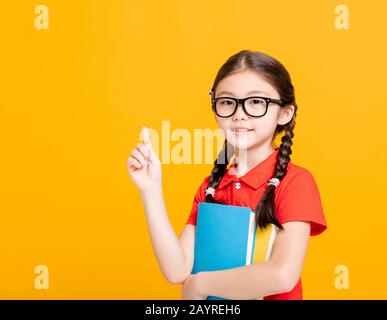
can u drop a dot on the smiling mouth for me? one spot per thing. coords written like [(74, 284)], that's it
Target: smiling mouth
[(241, 130)]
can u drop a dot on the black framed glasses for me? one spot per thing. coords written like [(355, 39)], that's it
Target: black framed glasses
[(255, 106)]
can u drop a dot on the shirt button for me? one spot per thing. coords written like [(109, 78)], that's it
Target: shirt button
[(237, 185)]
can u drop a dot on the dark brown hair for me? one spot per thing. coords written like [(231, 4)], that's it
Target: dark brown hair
[(277, 75)]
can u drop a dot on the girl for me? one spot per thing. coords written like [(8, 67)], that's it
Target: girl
[(261, 177)]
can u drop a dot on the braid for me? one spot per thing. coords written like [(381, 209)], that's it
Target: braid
[(219, 169), (265, 212)]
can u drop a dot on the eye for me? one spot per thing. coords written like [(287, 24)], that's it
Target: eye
[(226, 102), (257, 101)]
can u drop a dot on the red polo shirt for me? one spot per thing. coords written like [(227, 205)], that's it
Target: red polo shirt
[(296, 199)]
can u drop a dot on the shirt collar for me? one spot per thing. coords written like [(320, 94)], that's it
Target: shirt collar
[(257, 176)]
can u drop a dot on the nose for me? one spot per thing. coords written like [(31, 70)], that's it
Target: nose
[(239, 113)]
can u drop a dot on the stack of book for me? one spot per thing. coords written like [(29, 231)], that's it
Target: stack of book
[(226, 238)]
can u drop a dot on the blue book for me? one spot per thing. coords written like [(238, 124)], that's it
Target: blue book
[(225, 238)]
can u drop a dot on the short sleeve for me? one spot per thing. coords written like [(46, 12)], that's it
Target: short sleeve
[(299, 200), (200, 196)]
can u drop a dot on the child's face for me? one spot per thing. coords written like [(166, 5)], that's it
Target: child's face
[(260, 130)]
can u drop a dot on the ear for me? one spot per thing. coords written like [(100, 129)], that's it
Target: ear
[(285, 114)]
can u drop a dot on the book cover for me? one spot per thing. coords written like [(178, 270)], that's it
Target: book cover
[(226, 238)]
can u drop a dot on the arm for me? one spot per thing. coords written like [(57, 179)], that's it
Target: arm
[(277, 275), (174, 255)]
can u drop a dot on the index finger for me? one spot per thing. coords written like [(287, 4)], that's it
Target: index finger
[(146, 136)]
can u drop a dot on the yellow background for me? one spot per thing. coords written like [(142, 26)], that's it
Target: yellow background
[(74, 98)]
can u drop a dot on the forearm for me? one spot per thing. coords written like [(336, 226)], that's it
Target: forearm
[(166, 245), (248, 282)]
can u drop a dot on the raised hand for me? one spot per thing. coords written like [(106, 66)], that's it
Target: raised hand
[(144, 166)]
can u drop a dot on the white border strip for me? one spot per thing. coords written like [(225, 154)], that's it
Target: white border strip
[(273, 234), (250, 238)]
